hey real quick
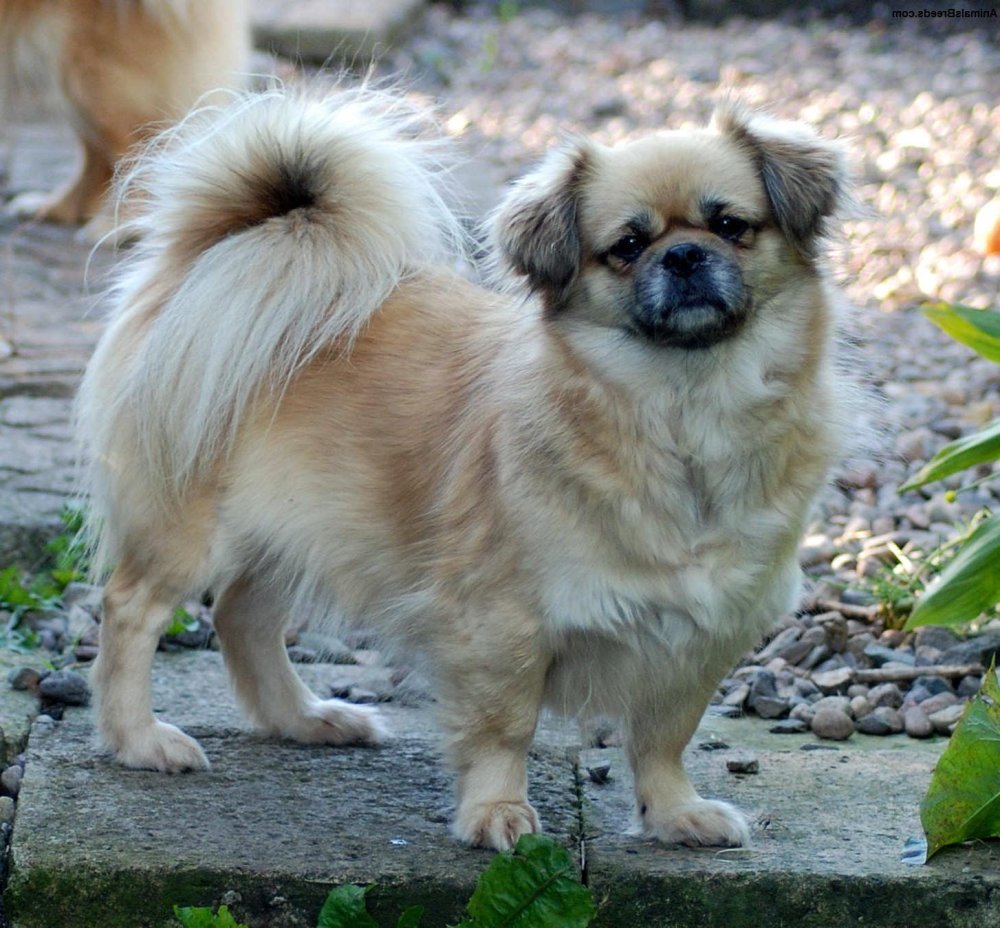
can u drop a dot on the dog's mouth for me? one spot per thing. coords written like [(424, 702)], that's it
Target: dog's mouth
[(693, 325), (694, 308)]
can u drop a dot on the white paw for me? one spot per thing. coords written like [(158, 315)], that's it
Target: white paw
[(162, 747), (333, 721), (700, 823), (28, 205), (495, 825)]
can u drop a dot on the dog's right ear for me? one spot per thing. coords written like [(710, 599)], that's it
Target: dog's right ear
[(535, 230)]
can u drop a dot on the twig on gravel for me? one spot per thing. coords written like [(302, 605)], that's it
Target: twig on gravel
[(900, 674), (847, 610)]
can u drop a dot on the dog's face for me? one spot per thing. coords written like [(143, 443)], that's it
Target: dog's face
[(677, 239)]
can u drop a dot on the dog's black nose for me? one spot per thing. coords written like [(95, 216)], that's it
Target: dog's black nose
[(682, 260)]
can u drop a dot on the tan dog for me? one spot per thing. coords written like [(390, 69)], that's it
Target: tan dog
[(122, 68), (588, 499)]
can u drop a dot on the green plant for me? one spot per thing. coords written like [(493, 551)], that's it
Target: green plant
[(970, 583), (41, 591), (198, 917), (963, 800), (535, 886)]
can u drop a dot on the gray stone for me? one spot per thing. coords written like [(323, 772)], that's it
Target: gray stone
[(884, 720), (939, 701), (743, 764), (24, 678), (945, 720), (10, 780), (979, 650), (916, 724), (833, 681), (65, 687), (7, 808), (832, 725), (968, 686), (790, 726), (885, 694), (880, 654)]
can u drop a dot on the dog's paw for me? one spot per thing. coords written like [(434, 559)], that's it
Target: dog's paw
[(333, 721), (160, 746), (495, 825), (700, 823)]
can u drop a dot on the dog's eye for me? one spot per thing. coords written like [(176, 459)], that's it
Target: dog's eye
[(628, 248), (728, 227)]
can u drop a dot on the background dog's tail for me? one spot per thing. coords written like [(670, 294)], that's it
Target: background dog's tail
[(268, 230)]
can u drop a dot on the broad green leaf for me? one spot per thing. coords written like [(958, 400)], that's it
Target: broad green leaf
[(201, 917), (963, 800), (966, 452), (345, 908), (535, 887), (411, 917), (977, 328), (968, 586)]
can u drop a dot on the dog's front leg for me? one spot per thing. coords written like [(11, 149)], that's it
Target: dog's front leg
[(489, 696), (659, 727)]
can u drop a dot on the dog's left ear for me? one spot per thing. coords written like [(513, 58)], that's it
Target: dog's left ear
[(804, 175), (535, 230)]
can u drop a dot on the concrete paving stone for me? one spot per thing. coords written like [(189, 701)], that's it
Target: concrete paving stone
[(829, 829), (318, 31), (96, 846)]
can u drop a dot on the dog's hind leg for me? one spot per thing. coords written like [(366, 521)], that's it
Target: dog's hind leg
[(250, 622), (135, 613)]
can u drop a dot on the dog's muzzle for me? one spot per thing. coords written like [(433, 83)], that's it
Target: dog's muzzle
[(689, 297)]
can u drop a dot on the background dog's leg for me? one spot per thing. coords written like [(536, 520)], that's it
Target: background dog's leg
[(134, 615), (250, 621), (659, 727), (489, 699), (75, 202)]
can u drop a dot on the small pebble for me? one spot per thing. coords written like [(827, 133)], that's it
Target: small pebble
[(945, 720), (65, 687), (10, 780), (24, 678), (599, 774), (832, 725), (790, 726), (916, 724), (885, 694), (743, 765)]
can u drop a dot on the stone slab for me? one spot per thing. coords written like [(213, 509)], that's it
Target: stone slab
[(829, 829), (272, 825), (350, 32)]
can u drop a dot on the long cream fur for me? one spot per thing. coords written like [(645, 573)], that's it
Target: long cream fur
[(299, 405)]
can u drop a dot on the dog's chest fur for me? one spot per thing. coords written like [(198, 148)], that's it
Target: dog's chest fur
[(673, 507)]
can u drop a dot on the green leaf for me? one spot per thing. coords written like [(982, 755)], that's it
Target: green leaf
[(968, 586), (202, 917), (345, 908), (963, 800), (966, 452), (181, 622), (411, 917), (535, 887), (977, 328)]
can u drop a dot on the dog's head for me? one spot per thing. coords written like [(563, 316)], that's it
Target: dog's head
[(676, 238)]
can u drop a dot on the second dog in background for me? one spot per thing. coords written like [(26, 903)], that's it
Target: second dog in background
[(123, 69)]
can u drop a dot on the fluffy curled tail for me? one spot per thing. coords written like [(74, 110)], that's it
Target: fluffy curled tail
[(269, 230)]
